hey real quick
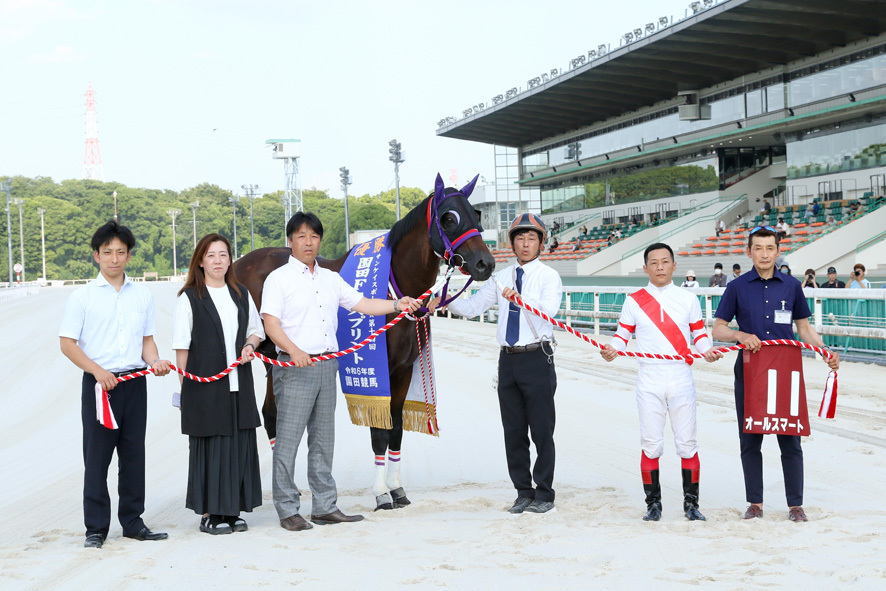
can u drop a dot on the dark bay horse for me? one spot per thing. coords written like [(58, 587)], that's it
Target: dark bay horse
[(443, 227)]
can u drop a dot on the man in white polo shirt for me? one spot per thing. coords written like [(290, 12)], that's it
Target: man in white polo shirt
[(107, 331), (300, 302)]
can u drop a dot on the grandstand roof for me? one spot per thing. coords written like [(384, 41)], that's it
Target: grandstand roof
[(729, 40)]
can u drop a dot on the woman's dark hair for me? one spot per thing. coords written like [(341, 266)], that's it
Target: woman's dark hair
[(108, 232), (301, 218), (197, 276)]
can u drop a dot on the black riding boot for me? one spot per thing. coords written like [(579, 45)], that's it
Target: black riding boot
[(690, 497), (652, 488)]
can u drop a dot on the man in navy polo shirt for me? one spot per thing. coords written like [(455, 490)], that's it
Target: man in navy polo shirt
[(758, 300)]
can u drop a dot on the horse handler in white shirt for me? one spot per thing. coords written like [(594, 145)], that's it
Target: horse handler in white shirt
[(527, 378), (300, 302), (665, 319)]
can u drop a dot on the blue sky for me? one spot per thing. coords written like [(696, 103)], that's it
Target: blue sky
[(189, 90)]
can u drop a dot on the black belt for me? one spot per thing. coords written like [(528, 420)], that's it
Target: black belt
[(120, 374), (521, 349)]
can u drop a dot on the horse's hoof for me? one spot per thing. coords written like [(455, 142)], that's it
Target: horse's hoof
[(384, 502), (399, 497)]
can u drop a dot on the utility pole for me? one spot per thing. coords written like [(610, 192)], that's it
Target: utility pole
[(21, 234), (173, 213), (8, 187), (397, 158), (345, 181), (41, 211), (194, 207), (250, 191), (115, 207), (235, 199)]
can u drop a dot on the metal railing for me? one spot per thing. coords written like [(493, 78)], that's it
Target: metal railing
[(848, 320)]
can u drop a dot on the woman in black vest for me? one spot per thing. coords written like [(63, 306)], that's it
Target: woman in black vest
[(215, 322)]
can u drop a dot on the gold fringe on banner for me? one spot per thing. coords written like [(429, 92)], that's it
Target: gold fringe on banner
[(370, 411), (415, 417)]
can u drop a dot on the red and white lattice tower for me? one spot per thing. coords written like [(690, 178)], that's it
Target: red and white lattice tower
[(92, 158)]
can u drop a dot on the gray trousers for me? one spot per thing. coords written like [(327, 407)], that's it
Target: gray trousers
[(305, 399)]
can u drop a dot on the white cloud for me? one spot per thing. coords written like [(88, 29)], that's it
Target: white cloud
[(62, 54)]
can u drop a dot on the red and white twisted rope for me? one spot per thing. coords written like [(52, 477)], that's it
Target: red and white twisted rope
[(830, 396)]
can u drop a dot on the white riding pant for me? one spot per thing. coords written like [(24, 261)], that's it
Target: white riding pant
[(666, 389)]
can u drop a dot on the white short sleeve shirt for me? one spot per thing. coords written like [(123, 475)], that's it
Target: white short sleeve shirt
[(307, 304), (108, 325)]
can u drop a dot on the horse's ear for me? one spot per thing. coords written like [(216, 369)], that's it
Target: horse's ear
[(439, 188), (469, 188)]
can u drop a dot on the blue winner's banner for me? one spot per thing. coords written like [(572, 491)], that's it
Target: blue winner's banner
[(364, 374)]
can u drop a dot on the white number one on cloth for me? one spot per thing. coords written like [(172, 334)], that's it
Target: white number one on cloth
[(771, 394)]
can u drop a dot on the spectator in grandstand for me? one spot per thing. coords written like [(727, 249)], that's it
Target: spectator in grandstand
[(783, 229), (854, 208), (810, 211), (718, 279), (833, 282), (719, 227), (736, 271), (766, 207), (584, 230), (810, 279), (690, 279), (739, 219), (654, 219), (554, 244), (858, 281), (577, 245), (618, 234), (555, 227), (815, 208), (634, 221), (785, 269)]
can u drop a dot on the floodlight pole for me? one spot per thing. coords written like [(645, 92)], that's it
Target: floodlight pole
[(173, 213), (8, 187), (250, 191), (194, 207), (21, 234), (41, 211), (345, 181), (235, 199), (397, 158)]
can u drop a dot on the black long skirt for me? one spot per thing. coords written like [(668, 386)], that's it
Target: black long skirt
[(224, 477)]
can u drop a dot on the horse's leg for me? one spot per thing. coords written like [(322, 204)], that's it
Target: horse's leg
[(399, 389), (380, 438), (269, 408)]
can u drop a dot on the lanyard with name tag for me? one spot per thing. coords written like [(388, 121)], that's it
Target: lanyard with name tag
[(783, 316)]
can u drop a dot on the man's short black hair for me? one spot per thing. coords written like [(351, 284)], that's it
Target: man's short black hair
[(718, 265), (736, 267), (762, 232), (656, 246), (108, 232), (301, 218)]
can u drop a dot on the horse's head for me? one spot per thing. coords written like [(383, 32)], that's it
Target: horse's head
[(454, 230)]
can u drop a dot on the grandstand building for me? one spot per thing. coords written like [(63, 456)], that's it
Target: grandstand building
[(690, 121)]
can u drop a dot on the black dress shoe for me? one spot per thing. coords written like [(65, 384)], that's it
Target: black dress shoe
[(335, 517), (144, 534), (94, 541)]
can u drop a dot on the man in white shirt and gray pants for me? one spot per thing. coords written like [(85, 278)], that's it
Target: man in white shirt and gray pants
[(300, 302), (527, 378)]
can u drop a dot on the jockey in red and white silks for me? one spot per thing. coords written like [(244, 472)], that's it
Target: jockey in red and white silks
[(664, 320)]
